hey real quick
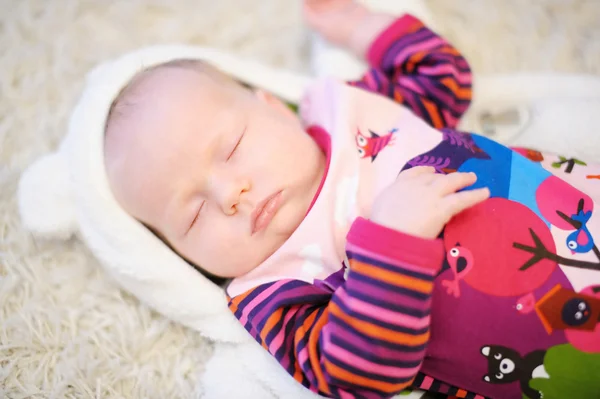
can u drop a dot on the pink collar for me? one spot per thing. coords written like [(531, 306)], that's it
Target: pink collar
[(323, 140)]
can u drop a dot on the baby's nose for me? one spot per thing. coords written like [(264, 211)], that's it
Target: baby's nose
[(230, 194)]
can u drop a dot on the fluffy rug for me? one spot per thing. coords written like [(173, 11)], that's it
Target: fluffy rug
[(66, 330)]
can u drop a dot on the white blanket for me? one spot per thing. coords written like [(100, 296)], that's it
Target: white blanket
[(239, 367)]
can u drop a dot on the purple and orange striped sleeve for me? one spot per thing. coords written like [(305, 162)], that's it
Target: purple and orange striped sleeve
[(366, 339), (419, 69)]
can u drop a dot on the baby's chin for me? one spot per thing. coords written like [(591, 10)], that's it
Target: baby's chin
[(276, 235), (291, 216)]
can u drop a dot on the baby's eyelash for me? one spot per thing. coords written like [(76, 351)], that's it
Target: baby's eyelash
[(196, 217), (236, 145)]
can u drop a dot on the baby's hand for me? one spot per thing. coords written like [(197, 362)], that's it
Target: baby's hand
[(421, 202), (345, 23), (335, 20)]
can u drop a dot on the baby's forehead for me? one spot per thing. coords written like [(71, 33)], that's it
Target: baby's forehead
[(161, 103), (167, 81), (183, 71), (161, 106), (146, 131), (177, 80)]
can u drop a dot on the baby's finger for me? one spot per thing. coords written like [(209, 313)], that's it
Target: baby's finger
[(458, 202), (417, 171), (448, 184)]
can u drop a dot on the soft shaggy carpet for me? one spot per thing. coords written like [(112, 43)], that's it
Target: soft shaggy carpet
[(66, 330)]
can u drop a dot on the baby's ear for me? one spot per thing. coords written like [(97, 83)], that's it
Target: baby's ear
[(44, 197), (275, 103)]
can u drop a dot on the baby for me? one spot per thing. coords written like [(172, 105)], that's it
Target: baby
[(369, 246)]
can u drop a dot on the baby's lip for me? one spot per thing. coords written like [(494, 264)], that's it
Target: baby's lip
[(264, 212)]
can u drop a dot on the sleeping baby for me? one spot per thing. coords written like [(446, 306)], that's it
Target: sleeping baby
[(365, 243)]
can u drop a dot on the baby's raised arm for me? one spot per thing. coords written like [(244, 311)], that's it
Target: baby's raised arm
[(346, 23), (410, 63)]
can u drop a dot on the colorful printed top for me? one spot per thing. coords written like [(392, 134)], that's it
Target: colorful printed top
[(505, 304)]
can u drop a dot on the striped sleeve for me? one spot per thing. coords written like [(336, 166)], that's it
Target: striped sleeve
[(419, 69), (366, 339)]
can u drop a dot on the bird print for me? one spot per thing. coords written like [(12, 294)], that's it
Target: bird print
[(526, 304), (489, 230), (370, 147), (581, 240), (460, 260)]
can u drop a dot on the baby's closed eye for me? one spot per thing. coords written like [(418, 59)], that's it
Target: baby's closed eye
[(236, 145), (196, 217)]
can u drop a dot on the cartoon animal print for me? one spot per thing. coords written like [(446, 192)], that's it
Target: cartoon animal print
[(586, 340), (505, 366), (581, 240), (461, 262), (557, 199), (576, 312), (487, 231), (448, 156), (555, 194), (370, 147), (565, 309)]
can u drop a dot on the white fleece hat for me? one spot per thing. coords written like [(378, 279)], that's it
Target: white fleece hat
[(67, 192)]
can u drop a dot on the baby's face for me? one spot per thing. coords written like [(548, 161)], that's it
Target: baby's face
[(225, 175)]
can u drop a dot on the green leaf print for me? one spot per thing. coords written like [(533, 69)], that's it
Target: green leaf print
[(570, 163), (573, 374), (293, 107)]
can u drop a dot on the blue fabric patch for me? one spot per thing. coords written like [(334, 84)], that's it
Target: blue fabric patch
[(493, 173)]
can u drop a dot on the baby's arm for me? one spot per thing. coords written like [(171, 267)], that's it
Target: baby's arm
[(419, 69), (409, 63), (366, 340)]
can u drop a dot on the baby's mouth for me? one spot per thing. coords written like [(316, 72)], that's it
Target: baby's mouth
[(264, 212)]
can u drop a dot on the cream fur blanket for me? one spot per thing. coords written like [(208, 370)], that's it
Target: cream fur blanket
[(65, 329)]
